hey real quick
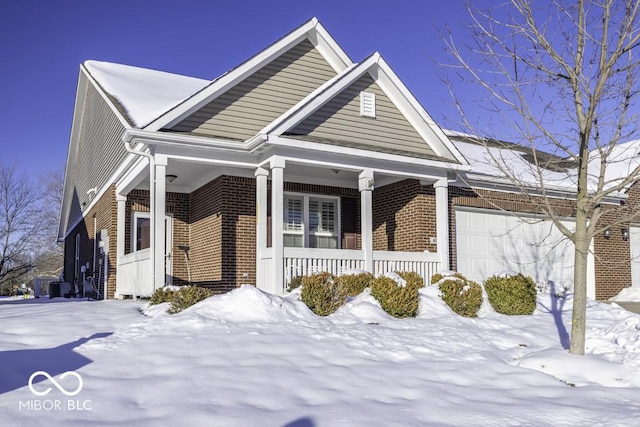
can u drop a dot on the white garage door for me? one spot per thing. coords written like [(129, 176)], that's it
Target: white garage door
[(488, 242)]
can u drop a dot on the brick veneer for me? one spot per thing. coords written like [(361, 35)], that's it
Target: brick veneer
[(404, 217)]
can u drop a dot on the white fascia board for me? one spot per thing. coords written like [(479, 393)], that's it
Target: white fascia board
[(131, 177), (152, 137), (400, 95), (364, 154), (329, 48), (246, 69)]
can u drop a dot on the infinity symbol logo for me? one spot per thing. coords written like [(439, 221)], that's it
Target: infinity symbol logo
[(55, 383)]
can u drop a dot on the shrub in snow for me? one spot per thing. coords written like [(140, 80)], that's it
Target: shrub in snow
[(463, 296), (355, 284), (398, 299), (294, 283), (160, 295), (436, 278), (186, 297), (412, 279), (322, 293), (512, 295)]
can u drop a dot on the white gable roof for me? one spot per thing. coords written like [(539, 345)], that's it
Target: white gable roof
[(393, 88), (144, 94)]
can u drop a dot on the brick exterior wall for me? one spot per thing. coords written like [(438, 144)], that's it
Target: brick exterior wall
[(404, 217), (613, 255), (105, 214)]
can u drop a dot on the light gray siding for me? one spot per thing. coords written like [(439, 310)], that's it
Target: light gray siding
[(339, 121), (100, 151), (246, 108)]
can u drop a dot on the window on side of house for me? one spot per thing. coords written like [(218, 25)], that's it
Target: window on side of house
[(311, 221), (141, 231)]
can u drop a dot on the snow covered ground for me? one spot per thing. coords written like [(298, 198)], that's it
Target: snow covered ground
[(251, 359)]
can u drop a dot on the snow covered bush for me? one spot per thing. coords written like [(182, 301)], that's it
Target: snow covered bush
[(512, 295), (160, 295), (295, 283), (398, 299), (322, 293), (186, 296), (462, 295), (355, 284)]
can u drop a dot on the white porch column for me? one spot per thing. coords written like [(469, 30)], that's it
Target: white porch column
[(277, 219), (365, 185), (157, 218), (442, 221), (261, 225), (120, 235)]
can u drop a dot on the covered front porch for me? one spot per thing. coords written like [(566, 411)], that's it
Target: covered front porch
[(266, 218)]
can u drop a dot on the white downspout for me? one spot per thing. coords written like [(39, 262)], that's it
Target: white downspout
[(152, 213)]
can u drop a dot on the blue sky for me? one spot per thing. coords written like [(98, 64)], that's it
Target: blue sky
[(42, 44)]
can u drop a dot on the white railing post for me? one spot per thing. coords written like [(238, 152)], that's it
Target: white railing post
[(366, 185)]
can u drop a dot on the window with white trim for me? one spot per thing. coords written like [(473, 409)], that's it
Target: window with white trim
[(141, 231), (311, 221)]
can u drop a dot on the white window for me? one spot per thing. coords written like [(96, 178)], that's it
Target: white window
[(367, 104), (311, 221), (141, 231)]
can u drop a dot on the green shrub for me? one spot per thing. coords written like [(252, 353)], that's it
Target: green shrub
[(161, 295), (295, 283), (355, 284), (398, 301), (413, 279), (463, 296), (322, 293), (186, 297), (513, 295)]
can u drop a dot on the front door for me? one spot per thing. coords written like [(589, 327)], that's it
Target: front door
[(141, 239)]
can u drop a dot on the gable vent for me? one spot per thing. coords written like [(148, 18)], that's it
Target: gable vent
[(367, 104)]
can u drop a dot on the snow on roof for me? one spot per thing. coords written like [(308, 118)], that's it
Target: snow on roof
[(483, 162), (144, 94), (622, 160)]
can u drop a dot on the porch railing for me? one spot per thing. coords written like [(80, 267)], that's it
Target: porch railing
[(134, 274), (304, 261)]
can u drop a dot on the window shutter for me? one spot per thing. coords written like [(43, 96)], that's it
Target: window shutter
[(367, 104), (293, 214)]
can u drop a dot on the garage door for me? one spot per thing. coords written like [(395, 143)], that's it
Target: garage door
[(488, 242)]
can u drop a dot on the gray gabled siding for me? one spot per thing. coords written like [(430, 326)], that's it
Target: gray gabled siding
[(246, 108), (339, 120), (99, 151)]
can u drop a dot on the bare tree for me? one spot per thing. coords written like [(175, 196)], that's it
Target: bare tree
[(560, 77), (20, 228), (49, 258)]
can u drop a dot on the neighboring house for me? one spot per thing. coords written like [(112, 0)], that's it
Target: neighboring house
[(296, 161)]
